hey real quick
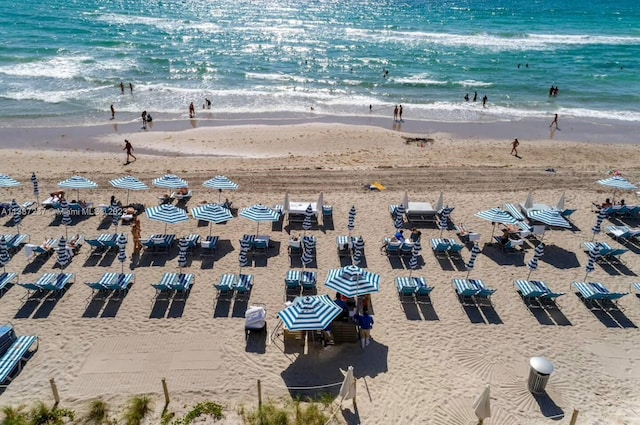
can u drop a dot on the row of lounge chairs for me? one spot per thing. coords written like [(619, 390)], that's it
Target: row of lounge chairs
[(606, 252), (229, 284), (14, 351)]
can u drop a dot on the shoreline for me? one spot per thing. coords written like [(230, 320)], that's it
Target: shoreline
[(70, 138)]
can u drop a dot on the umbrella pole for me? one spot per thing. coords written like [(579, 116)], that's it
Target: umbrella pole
[(492, 232), (219, 194), (529, 275), (165, 228), (128, 196), (209, 228), (257, 228)]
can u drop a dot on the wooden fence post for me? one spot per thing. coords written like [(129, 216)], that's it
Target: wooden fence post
[(259, 394), (54, 390), (574, 417), (166, 391)]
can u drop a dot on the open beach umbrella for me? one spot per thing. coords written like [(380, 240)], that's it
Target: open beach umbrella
[(66, 216), (170, 181), (472, 260), (128, 183), (549, 217), (358, 251), (4, 252), (307, 223), (183, 246), (617, 183), (17, 214), (168, 214), (63, 253), (212, 213), (310, 313), (76, 183), (259, 213), (496, 215), (243, 257), (533, 263), (122, 249), (594, 254), (309, 250), (598, 226), (7, 182), (482, 405), (398, 219), (221, 183), (352, 219), (353, 281), (36, 189)]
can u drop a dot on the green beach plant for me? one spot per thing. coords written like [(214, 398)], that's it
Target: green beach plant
[(138, 408), (98, 414), (205, 408), (41, 414), (14, 416)]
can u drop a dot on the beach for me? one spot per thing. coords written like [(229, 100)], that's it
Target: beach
[(427, 363)]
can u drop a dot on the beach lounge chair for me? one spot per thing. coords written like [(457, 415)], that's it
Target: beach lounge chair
[(102, 286), (392, 248), (308, 280), (423, 290), (292, 281), (14, 242), (536, 290), (327, 212), (59, 284), (623, 234), (227, 285), (344, 246), (605, 248), (465, 291), (455, 249), (295, 247), (511, 247), (7, 279), (244, 285), (34, 289), (209, 246), (597, 295), (260, 246), (184, 197), (183, 282), (15, 350), (406, 287), (120, 285), (440, 247), (392, 210), (635, 286), (97, 247), (193, 241)]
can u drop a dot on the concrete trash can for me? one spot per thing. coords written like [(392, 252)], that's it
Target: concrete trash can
[(539, 372)]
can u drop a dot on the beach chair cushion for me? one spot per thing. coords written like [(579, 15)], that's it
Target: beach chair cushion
[(14, 356)]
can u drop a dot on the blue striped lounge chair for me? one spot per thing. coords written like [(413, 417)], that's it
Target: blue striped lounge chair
[(97, 247), (605, 248), (440, 247), (344, 246), (121, 284), (193, 241), (183, 282), (406, 287), (536, 290), (209, 246), (483, 291), (327, 212), (59, 284), (308, 280), (423, 290), (244, 285), (594, 293), (35, 288), (392, 248), (455, 249), (164, 245), (227, 285), (292, 281), (392, 210), (635, 286), (15, 351), (465, 291), (623, 233), (7, 279), (102, 286), (14, 242)]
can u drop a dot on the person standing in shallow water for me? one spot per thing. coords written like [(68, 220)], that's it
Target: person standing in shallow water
[(192, 110), (113, 112), (554, 122), (395, 113), (400, 113)]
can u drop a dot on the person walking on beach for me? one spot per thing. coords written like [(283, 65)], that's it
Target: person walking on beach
[(113, 112), (400, 113), (365, 322), (192, 110), (395, 113), (514, 147), (554, 122), (129, 149)]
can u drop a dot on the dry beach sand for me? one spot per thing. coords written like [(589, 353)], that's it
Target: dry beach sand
[(426, 365)]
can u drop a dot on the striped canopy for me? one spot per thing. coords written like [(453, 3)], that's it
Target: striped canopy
[(6, 181), (496, 215), (550, 217), (128, 183), (212, 213), (170, 181), (167, 213), (259, 213), (352, 281), (78, 182), (618, 182), (220, 183), (309, 313)]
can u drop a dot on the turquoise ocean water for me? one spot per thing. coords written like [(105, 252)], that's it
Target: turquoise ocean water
[(62, 61)]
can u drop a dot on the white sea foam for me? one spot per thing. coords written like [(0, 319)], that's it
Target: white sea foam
[(420, 79), (63, 67)]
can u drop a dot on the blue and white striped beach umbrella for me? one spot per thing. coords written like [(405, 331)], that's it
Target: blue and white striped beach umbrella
[(549, 217), (444, 219), (307, 223), (212, 213), (36, 189), (116, 213), (594, 254), (66, 215), (259, 213), (6, 181), (183, 246), (398, 220), (243, 257), (352, 219), (17, 214), (63, 254), (472, 260), (168, 214), (617, 183), (533, 263), (353, 281), (221, 183), (598, 226), (413, 261), (310, 313), (4, 252), (496, 215), (358, 251), (170, 181), (76, 183), (308, 254), (417, 246), (128, 183), (122, 249)]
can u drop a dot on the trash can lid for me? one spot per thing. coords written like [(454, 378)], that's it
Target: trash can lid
[(541, 365)]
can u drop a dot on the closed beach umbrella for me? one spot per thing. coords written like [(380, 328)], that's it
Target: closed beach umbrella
[(66, 215), (307, 223), (122, 249), (259, 213), (472, 260), (533, 263), (560, 204), (170, 181), (597, 228), (352, 220), (310, 313), (482, 405), (398, 220), (17, 214), (309, 250), (439, 202), (243, 257), (358, 251), (212, 213), (413, 261), (63, 254), (496, 215), (183, 245), (617, 183), (549, 217), (36, 189), (167, 214), (128, 183), (594, 254), (221, 183), (444, 219), (352, 281), (4, 252), (417, 246), (76, 183), (116, 213)]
